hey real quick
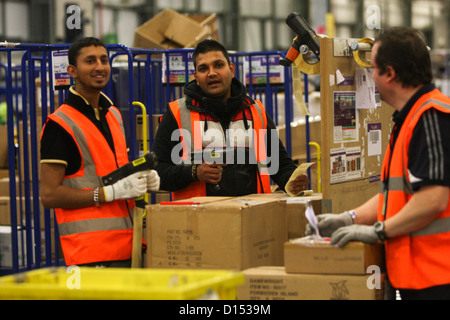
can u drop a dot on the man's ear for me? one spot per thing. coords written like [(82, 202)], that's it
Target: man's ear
[(390, 73), (195, 76), (233, 68), (72, 71)]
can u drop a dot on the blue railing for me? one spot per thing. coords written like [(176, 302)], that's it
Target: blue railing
[(137, 75)]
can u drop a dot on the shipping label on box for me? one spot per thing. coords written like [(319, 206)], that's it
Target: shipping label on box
[(308, 255), (273, 283), (232, 234)]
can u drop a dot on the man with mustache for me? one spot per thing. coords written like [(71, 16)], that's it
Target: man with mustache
[(217, 113), (82, 141)]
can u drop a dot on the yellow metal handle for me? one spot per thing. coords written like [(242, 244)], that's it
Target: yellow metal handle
[(144, 124), (319, 178), (144, 135)]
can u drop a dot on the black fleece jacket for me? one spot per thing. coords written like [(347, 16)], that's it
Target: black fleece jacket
[(237, 179)]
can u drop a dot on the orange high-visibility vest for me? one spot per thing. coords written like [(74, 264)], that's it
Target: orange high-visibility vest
[(189, 121), (420, 259), (103, 233)]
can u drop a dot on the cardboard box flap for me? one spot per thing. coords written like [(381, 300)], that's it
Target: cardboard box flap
[(184, 31), (241, 203), (172, 30)]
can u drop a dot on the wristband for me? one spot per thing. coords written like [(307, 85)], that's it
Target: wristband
[(194, 172), (96, 200)]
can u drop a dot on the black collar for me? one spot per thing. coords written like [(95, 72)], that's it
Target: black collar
[(400, 116), (77, 101)]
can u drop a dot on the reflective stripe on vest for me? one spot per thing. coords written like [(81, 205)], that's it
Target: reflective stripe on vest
[(420, 259), (107, 229), (91, 225), (189, 122)]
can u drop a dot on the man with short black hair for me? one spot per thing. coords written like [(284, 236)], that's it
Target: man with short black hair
[(82, 141), (217, 114)]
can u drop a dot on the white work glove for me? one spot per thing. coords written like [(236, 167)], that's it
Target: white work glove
[(330, 222), (133, 186), (153, 180)]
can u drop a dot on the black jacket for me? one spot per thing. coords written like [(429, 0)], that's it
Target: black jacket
[(237, 179)]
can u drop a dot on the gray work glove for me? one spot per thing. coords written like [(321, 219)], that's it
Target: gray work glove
[(330, 222), (357, 232)]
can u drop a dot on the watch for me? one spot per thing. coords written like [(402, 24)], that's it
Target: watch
[(379, 230)]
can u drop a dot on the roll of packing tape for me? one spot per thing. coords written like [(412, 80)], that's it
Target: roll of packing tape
[(307, 66), (308, 63), (359, 52)]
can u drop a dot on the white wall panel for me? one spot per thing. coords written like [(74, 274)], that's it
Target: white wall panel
[(17, 20)]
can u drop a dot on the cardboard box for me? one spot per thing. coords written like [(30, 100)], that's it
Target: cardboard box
[(304, 255), (39, 98), (295, 210), (6, 248), (4, 186), (6, 260), (4, 173), (26, 158), (208, 21), (3, 146), (298, 139), (232, 234), (171, 30), (5, 211), (273, 283)]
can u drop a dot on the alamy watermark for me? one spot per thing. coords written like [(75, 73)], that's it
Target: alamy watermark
[(239, 148), (74, 20), (74, 280), (374, 281), (373, 20)]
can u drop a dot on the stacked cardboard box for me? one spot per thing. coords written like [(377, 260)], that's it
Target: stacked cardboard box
[(235, 223), (295, 209), (216, 233), (316, 270)]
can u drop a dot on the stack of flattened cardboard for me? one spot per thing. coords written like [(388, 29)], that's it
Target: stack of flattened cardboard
[(316, 270)]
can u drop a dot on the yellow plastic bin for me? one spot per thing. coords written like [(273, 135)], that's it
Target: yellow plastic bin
[(108, 284)]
